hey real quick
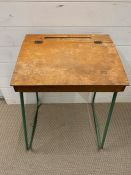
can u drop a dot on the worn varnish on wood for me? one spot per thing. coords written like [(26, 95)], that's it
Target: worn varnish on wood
[(68, 63)]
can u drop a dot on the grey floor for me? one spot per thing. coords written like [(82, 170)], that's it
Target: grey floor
[(65, 142)]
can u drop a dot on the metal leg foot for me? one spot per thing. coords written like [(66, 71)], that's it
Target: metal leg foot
[(100, 142), (28, 142)]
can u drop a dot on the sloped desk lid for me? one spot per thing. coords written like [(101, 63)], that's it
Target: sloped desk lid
[(68, 63)]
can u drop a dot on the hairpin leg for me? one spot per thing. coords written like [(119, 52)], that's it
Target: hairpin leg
[(100, 142), (28, 142)]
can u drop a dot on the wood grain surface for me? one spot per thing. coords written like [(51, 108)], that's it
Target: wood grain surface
[(68, 63)]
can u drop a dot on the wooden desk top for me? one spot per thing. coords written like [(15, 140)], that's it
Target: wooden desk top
[(68, 63)]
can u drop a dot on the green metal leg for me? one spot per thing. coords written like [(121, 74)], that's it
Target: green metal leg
[(100, 142), (28, 142)]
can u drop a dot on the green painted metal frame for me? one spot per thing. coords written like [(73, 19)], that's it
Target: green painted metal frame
[(28, 142), (100, 143)]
